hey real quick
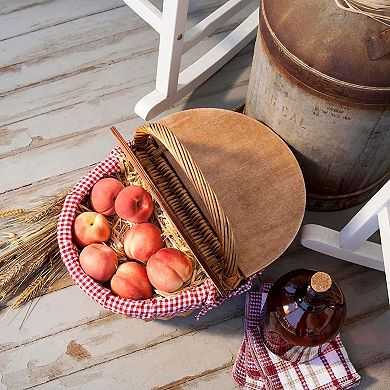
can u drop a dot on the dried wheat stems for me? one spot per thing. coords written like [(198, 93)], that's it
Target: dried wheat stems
[(29, 258)]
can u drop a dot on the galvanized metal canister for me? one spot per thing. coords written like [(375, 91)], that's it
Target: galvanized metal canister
[(321, 80)]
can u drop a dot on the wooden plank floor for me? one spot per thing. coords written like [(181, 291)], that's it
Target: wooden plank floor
[(68, 70)]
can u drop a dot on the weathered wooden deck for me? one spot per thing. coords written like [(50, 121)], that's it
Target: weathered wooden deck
[(68, 70)]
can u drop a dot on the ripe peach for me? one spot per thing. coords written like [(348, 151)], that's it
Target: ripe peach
[(103, 195), (142, 241), (134, 204), (99, 262), (168, 269), (90, 228), (130, 281)]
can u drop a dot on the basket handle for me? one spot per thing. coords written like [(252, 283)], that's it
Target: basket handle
[(218, 218)]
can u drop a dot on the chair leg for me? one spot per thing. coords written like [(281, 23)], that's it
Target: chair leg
[(351, 242), (327, 241), (173, 25), (156, 102), (384, 228)]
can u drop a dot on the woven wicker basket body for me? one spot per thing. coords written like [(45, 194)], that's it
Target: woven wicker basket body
[(210, 237), (258, 182)]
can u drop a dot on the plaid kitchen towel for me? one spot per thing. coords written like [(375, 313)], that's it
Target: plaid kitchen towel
[(256, 368)]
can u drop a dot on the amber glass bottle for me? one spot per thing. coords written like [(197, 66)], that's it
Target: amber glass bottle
[(304, 310)]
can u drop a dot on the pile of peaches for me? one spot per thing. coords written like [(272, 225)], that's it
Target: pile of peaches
[(148, 264)]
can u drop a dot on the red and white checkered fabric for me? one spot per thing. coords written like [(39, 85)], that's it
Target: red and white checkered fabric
[(203, 296), (257, 368)]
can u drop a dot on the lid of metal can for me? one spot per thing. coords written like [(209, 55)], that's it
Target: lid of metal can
[(335, 52)]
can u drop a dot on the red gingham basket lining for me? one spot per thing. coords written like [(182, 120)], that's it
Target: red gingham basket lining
[(203, 295)]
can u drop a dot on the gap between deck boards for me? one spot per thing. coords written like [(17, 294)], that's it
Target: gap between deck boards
[(61, 20), (348, 272), (186, 334)]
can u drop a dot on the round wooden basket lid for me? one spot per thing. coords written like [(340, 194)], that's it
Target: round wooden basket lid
[(255, 176)]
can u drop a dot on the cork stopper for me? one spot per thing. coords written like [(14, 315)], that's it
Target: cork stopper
[(321, 282)]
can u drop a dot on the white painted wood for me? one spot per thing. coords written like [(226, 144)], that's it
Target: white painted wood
[(155, 102), (90, 86), (325, 240), (22, 19), (86, 86), (89, 62), (215, 379), (350, 243), (86, 124), (83, 310), (384, 228), (170, 85), (39, 352), (82, 45), (202, 69), (365, 222), (105, 340), (172, 352), (189, 355), (375, 376), (6, 7), (101, 78), (367, 339), (28, 196), (108, 338), (174, 21), (147, 11), (76, 309), (109, 25), (209, 24), (102, 27)]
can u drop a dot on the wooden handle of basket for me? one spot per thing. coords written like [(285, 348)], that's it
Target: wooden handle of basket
[(218, 218)]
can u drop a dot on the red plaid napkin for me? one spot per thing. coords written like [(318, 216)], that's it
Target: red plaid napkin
[(257, 368)]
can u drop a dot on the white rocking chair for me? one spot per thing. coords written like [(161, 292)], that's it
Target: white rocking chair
[(351, 242), (171, 84)]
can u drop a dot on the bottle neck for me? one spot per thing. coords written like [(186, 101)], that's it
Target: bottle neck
[(309, 299)]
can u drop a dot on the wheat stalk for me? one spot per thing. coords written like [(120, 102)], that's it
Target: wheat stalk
[(30, 261), (29, 293), (41, 282), (24, 263), (50, 208), (11, 212)]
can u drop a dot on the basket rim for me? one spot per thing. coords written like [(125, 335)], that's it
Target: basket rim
[(188, 299)]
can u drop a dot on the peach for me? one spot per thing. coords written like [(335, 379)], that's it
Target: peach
[(130, 281), (99, 262), (103, 195), (168, 269), (90, 228), (134, 204), (142, 241)]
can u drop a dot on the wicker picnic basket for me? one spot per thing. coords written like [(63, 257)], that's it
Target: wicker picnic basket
[(176, 182)]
